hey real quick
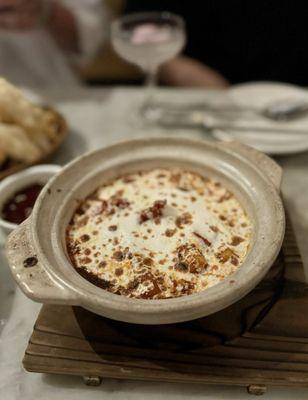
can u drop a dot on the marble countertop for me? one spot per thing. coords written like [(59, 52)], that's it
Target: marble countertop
[(98, 117)]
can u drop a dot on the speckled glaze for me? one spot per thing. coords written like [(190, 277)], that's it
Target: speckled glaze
[(36, 250)]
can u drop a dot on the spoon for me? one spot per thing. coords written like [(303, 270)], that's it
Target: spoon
[(285, 110)]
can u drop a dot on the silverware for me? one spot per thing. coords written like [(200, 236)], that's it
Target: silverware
[(283, 110), (197, 119)]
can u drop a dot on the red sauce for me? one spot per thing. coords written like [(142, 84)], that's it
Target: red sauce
[(19, 206)]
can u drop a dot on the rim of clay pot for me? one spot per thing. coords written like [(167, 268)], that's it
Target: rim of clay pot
[(252, 176)]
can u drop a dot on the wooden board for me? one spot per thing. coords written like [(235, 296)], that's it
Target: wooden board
[(261, 340)]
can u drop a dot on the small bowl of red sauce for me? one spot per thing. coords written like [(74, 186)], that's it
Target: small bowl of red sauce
[(18, 194)]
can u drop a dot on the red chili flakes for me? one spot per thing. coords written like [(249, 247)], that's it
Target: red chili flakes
[(204, 240), (182, 287), (184, 219), (175, 178), (191, 257), (85, 238), (226, 196), (143, 217), (183, 188), (224, 255), (234, 260), (120, 202), (102, 264), (182, 267), (128, 179), (118, 255), (236, 240), (101, 207), (154, 289), (79, 211), (73, 249), (112, 228), (170, 232), (86, 260), (82, 221), (118, 271), (133, 285), (111, 211), (148, 261), (153, 213), (93, 196)]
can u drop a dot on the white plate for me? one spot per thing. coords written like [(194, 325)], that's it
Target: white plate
[(258, 95)]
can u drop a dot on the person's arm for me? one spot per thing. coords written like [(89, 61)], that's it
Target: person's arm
[(25, 15), (91, 20), (61, 23), (186, 71)]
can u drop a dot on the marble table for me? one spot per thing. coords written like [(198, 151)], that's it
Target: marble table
[(98, 117)]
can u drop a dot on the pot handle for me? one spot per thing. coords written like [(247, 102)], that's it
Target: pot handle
[(263, 162), (29, 272)]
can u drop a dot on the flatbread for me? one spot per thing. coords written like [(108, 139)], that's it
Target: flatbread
[(41, 125), (15, 144)]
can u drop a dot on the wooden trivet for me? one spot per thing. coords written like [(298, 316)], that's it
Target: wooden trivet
[(259, 341)]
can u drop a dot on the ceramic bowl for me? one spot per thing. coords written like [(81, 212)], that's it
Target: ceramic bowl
[(8, 186), (37, 253)]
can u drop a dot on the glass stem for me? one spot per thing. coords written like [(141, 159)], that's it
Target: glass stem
[(150, 84)]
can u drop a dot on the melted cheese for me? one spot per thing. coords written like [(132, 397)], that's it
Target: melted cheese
[(158, 234)]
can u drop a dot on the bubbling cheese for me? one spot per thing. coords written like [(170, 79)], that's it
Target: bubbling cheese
[(158, 234)]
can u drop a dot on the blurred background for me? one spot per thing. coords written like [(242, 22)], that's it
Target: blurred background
[(227, 42), (107, 67)]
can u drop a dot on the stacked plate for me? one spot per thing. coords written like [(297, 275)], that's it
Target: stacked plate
[(293, 136)]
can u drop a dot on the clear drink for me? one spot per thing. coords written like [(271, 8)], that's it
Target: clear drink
[(148, 40), (150, 44)]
